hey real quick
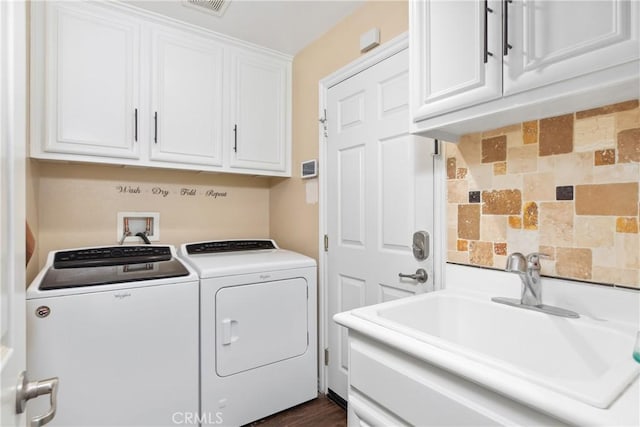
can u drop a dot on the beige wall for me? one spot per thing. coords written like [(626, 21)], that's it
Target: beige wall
[(31, 198), (77, 204), (294, 220)]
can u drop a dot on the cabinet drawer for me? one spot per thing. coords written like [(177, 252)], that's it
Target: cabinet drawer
[(421, 394), (365, 413)]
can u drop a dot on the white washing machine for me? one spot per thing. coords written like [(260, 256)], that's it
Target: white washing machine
[(119, 327), (257, 328)]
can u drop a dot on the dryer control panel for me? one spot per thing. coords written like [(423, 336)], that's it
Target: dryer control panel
[(229, 246)]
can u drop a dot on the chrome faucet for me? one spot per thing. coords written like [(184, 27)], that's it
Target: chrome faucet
[(528, 268), (529, 271)]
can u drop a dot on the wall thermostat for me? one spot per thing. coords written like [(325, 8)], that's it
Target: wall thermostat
[(369, 40), (309, 169)]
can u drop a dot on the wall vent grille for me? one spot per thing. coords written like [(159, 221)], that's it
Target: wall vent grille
[(214, 7)]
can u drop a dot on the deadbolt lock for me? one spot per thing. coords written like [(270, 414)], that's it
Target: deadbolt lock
[(420, 245)]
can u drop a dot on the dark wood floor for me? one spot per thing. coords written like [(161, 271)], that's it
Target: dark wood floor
[(320, 412)]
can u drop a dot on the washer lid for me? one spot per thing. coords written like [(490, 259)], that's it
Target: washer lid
[(107, 265), (95, 276)]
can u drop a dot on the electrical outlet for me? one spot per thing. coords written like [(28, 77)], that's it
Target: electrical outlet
[(131, 223)]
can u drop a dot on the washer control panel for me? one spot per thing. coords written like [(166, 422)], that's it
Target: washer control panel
[(114, 255)]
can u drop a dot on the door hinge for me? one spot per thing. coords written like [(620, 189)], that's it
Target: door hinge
[(323, 120), (326, 357), (326, 243), (436, 147)]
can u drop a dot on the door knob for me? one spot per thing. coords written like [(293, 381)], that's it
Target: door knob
[(421, 275), (29, 390)]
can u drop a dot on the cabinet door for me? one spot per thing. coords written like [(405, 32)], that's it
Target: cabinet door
[(186, 116), (92, 80), (558, 40), (449, 67), (260, 113)]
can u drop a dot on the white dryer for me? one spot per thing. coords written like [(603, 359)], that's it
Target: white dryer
[(257, 328)]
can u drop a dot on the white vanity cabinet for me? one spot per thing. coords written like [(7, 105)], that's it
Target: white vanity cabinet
[(480, 64), (113, 84), (260, 113), (388, 387), (185, 119), (92, 93)]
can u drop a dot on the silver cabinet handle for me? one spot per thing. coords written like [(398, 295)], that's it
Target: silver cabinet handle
[(421, 275), (26, 391)]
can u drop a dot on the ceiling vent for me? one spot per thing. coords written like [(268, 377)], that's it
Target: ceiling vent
[(214, 7)]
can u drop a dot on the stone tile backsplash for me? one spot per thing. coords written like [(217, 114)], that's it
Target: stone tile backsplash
[(567, 186)]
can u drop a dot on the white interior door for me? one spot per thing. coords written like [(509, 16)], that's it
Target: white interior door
[(12, 210), (379, 192)]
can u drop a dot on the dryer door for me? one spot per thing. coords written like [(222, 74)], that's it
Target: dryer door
[(259, 324)]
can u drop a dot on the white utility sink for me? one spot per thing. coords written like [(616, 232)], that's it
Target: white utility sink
[(586, 359)]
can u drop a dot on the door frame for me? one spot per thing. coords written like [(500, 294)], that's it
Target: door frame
[(379, 54), (13, 129)]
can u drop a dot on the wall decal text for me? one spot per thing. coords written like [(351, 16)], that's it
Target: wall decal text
[(163, 192)]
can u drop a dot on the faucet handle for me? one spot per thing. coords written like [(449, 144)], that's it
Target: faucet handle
[(538, 255), (533, 259)]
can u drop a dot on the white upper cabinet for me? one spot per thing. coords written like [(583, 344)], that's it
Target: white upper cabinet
[(459, 63), (558, 40), (482, 64), (113, 84), (259, 112), (93, 81), (185, 118)]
